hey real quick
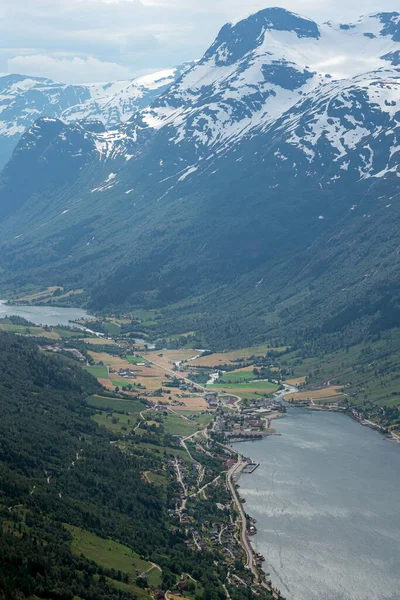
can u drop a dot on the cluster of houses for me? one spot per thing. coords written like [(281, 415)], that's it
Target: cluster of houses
[(127, 373), (181, 384)]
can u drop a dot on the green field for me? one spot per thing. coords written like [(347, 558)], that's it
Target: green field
[(135, 359), (106, 552), (103, 403), (157, 478), (127, 587), (367, 372), (176, 425), (98, 371), (24, 329), (233, 377), (65, 333), (116, 422)]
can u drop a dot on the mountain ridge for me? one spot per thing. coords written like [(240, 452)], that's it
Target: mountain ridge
[(25, 98), (227, 205)]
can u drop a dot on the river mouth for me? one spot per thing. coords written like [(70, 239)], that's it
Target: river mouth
[(326, 502)]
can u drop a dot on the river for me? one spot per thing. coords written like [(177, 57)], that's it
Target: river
[(326, 499), (44, 315)]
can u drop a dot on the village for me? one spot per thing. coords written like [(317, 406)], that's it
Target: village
[(204, 410)]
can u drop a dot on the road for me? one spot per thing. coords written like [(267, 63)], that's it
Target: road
[(142, 418), (183, 444), (184, 489), (235, 469)]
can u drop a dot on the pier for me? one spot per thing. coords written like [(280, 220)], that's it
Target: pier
[(251, 467)]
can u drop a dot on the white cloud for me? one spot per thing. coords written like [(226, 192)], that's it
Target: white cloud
[(79, 70)]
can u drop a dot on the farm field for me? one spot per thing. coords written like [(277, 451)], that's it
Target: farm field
[(104, 403), (135, 359), (106, 552), (237, 377), (36, 296), (169, 357), (116, 362), (331, 392), (192, 404), (122, 381), (176, 425), (29, 331), (222, 358), (99, 341), (117, 422), (69, 294), (157, 478), (98, 371), (296, 381)]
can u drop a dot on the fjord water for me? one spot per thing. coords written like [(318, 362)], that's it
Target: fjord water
[(326, 499), (44, 315)]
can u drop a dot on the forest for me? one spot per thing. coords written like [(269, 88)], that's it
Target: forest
[(58, 469)]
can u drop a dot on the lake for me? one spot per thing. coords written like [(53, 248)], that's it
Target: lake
[(44, 315), (326, 499)]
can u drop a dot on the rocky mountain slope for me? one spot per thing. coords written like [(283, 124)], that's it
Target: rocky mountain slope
[(23, 99), (263, 183)]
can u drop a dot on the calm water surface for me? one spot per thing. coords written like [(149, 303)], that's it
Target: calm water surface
[(44, 315), (326, 499)]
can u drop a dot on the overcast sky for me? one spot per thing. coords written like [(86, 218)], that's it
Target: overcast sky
[(103, 40)]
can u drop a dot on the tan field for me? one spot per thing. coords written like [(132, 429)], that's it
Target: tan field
[(222, 358), (150, 383), (151, 371), (98, 341), (296, 381), (43, 294), (327, 393), (169, 357), (111, 361), (195, 403), (107, 384), (248, 369)]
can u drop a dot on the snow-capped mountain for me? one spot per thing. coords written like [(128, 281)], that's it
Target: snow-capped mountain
[(259, 68), (274, 157), (115, 103), (23, 99)]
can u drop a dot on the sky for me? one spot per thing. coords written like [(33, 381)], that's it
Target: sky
[(78, 41)]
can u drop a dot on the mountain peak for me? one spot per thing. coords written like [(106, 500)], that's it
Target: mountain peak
[(235, 40)]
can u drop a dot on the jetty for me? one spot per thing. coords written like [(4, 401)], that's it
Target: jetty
[(250, 467)]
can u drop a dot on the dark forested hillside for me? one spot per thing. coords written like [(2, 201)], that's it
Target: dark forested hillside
[(58, 468)]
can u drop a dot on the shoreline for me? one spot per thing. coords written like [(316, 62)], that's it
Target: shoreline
[(251, 555), (254, 565), (238, 469)]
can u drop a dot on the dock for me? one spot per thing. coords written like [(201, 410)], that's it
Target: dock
[(251, 467)]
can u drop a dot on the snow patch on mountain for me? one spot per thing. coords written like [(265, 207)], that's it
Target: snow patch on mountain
[(259, 68)]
